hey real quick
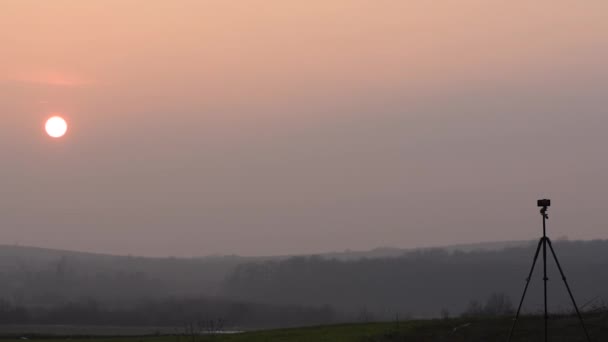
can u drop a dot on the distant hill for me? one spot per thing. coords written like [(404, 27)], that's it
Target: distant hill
[(381, 279), (45, 276), (425, 282), (52, 269)]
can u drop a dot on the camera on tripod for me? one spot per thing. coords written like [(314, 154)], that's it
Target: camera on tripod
[(543, 244), (543, 202)]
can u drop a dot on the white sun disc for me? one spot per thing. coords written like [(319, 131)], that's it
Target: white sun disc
[(56, 127)]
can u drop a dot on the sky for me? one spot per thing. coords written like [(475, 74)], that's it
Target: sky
[(286, 127)]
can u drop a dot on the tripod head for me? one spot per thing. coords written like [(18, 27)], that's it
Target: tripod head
[(543, 212), (544, 204)]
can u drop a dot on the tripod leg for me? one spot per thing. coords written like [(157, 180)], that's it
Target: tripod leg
[(580, 318), (545, 285), (521, 301)]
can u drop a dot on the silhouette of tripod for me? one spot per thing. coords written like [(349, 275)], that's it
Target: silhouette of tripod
[(544, 242)]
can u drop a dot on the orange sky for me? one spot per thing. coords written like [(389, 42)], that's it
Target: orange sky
[(311, 120), (256, 49)]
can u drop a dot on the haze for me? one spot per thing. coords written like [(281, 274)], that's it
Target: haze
[(284, 127)]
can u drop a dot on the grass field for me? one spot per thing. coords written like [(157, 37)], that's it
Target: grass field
[(461, 329)]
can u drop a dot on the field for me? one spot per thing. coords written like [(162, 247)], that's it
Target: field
[(461, 329)]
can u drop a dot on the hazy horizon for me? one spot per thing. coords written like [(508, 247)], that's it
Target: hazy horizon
[(486, 245), (273, 128)]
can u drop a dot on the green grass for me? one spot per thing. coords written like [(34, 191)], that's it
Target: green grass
[(461, 329)]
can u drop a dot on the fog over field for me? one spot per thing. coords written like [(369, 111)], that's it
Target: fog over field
[(59, 287)]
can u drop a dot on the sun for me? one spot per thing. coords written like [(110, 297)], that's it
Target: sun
[(56, 127)]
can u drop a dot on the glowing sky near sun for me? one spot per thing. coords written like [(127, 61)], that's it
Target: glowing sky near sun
[(220, 127)]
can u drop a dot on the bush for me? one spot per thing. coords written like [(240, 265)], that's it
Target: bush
[(498, 304)]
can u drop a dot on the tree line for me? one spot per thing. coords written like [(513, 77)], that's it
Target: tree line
[(422, 283)]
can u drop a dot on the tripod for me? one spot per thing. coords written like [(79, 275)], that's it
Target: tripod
[(544, 242)]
